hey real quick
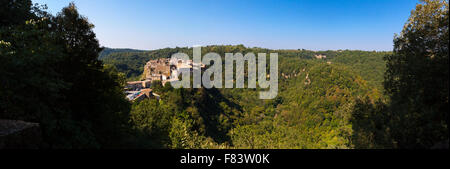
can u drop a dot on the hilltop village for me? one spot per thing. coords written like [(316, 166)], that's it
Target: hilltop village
[(163, 70)]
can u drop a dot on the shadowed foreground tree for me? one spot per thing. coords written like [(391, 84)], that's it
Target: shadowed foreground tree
[(417, 77), (15, 12), (50, 74), (416, 81)]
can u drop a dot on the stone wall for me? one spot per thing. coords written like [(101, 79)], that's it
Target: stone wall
[(15, 134)]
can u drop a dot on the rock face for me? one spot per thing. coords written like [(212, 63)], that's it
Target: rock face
[(16, 134), (320, 56)]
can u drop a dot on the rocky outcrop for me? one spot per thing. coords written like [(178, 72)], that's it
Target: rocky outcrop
[(307, 80), (15, 134), (320, 56)]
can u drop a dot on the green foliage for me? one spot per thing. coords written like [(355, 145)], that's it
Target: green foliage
[(50, 74), (312, 113), (153, 121), (416, 81), (417, 76), (369, 65), (176, 121), (182, 137), (369, 122), (109, 51), (15, 12)]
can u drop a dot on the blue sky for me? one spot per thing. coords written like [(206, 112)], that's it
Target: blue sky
[(301, 24)]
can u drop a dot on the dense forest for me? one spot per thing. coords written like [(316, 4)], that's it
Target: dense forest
[(54, 72)]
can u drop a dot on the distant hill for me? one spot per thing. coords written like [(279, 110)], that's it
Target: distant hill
[(107, 51)]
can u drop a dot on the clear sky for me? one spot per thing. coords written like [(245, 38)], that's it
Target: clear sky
[(282, 24)]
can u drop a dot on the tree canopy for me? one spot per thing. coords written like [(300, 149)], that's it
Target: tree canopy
[(50, 74)]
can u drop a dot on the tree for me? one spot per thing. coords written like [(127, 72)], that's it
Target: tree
[(417, 77), (29, 81), (15, 12), (153, 121), (183, 137), (50, 74), (95, 98)]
